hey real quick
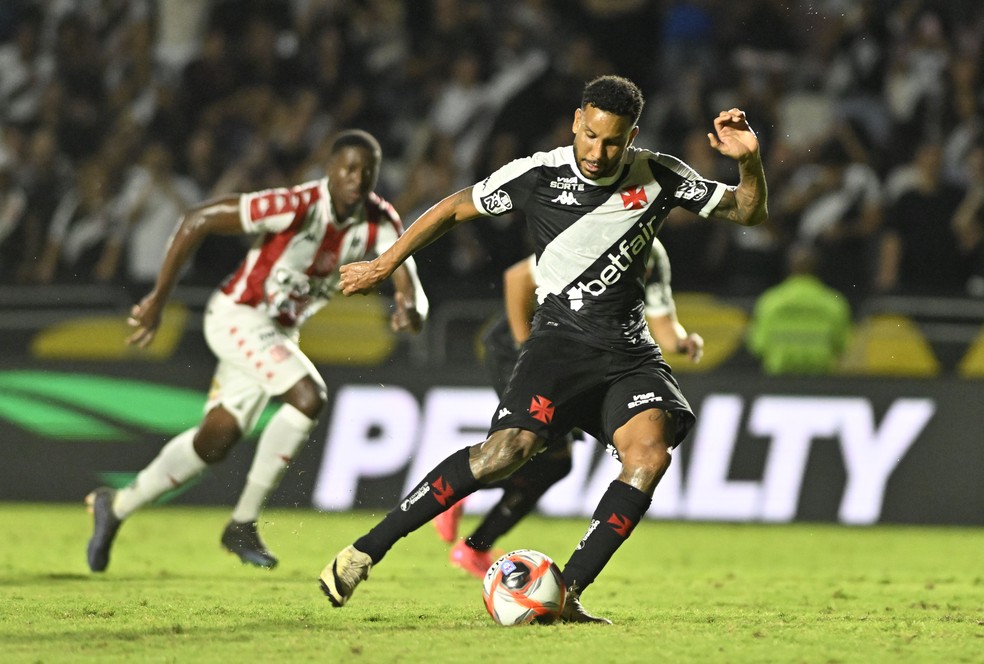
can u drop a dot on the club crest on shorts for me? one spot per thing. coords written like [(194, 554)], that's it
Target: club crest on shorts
[(542, 408)]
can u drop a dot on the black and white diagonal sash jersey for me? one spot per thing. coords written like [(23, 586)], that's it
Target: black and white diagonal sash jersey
[(593, 237)]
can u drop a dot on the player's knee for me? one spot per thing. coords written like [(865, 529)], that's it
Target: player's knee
[(645, 463), (503, 453), (213, 444), (217, 434), (308, 396)]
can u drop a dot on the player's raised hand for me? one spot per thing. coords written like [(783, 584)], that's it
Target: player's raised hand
[(405, 318), (145, 318), (692, 346), (359, 277), (733, 137)]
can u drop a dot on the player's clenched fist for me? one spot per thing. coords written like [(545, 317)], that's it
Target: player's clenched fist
[(145, 318), (359, 277)]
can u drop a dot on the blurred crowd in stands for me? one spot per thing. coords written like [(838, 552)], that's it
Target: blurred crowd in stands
[(117, 114)]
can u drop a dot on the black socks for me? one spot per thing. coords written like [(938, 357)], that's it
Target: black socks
[(620, 509), (450, 481)]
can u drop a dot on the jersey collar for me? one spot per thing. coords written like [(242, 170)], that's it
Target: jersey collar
[(568, 152)]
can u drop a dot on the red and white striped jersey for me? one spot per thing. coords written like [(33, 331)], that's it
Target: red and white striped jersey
[(291, 269)]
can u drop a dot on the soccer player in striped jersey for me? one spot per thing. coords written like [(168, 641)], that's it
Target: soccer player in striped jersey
[(593, 209), (502, 340), (301, 236)]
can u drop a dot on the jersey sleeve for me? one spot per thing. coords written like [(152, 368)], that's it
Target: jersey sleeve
[(274, 210), (390, 228), (507, 189), (659, 295), (692, 192)]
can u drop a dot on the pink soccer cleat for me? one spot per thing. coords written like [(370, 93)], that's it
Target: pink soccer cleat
[(476, 563), (447, 522)]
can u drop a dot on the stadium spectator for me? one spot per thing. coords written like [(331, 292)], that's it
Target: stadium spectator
[(46, 175), (26, 68), (836, 205), (81, 240), (590, 361), (302, 235), (800, 326), (153, 196), (13, 204), (920, 253), (501, 342), (968, 223)]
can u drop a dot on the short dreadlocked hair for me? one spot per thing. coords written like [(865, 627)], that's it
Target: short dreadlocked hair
[(614, 94)]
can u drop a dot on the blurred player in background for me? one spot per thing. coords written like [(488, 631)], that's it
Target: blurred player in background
[(593, 209), (252, 323), (502, 341)]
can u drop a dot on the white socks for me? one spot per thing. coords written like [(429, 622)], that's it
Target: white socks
[(284, 435), (176, 463)]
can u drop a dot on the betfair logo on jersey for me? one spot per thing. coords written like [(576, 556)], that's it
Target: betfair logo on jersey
[(691, 190), (618, 264), (497, 203), (565, 198)]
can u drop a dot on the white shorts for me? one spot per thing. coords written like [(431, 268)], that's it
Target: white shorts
[(257, 359)]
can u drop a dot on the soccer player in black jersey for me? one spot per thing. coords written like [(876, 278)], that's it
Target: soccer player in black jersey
[(502, 341), (593, 209)]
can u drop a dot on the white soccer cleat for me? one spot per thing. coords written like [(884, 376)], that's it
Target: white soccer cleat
[(339, 579)]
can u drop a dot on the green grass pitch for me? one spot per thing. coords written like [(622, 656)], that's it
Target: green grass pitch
[(677, 592)]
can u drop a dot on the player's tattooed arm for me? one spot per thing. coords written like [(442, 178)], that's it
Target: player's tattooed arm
[(745, 204), (363, 276)]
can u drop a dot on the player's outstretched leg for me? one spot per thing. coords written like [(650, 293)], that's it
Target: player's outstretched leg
[(341, 576), (243, 540), (621, 508), (523, 491), (104, 528), (447, 483)]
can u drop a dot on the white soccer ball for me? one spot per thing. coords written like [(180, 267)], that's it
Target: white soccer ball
[(523, 586)]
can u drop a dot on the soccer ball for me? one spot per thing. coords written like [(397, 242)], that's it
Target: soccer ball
[(523, 586)]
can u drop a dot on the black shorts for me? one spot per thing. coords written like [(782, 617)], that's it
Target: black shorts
[(560, 383)]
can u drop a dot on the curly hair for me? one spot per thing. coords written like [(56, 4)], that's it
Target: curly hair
[(614, 94)]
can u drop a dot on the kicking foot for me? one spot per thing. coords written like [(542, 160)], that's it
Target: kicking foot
[(243, 540), (446, 523), (475, 562), (573, 612), (105, 526), (339, 579)]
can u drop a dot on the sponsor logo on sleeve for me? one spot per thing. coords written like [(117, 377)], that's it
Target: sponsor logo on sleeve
[(497, 203)]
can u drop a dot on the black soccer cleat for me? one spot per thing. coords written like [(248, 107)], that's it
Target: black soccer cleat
[(105, 526), (243, 540), (573, 611)]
